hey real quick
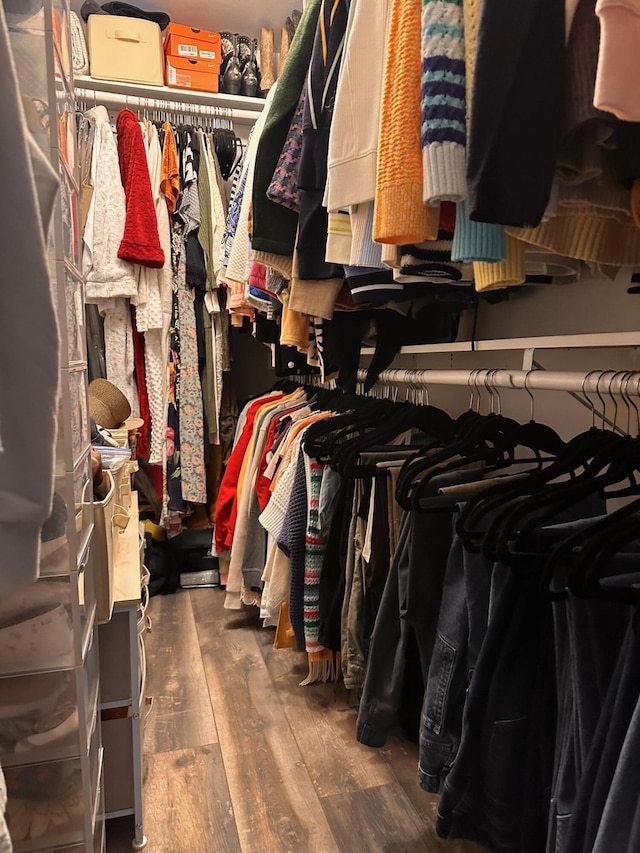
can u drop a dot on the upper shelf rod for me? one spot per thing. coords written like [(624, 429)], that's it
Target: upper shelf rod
[(113, 93)]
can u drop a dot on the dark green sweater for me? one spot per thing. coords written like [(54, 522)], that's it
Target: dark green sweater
[(275, 226)]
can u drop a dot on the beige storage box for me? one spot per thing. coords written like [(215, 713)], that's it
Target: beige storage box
[(128, 50)]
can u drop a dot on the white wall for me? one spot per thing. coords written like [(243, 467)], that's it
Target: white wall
[(238, 16), (590, 305)]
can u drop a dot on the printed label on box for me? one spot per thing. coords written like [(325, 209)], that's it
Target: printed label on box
[(187, 50), (179, 78), (208, 54)]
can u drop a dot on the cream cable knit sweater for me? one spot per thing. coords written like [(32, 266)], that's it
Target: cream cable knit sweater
[(106, 274)]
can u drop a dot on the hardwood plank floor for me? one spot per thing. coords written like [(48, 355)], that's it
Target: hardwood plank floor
[(276, 805), (281, 771), (182, 714), (376, 820), (323, 725), (188, 802)]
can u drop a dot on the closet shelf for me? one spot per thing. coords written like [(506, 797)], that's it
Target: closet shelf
[(244, 110), (585, 341)]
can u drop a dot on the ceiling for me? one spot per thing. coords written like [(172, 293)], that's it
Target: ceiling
[(240, 16)]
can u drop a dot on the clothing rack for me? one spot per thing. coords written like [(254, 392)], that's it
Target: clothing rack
[(111, 94), (620, 382)]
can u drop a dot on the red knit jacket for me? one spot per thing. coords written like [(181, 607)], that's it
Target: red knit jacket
[(140, 242)]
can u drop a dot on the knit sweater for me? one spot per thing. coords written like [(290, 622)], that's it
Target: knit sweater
[(443, 101), (274, 226), (292, 542), (355, 129), (140, 241), (400, 215), (314, 548)]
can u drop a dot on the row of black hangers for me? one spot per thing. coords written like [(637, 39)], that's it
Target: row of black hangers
[(501, 521)]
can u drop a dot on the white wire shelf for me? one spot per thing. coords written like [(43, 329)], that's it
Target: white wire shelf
[(584, 341)]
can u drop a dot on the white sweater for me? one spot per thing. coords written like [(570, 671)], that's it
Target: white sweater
[(355, 127), (106, 274)]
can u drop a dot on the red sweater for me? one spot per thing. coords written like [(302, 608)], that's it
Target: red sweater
[(140, 242)]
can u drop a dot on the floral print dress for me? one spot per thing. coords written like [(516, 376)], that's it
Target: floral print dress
[(186, 474)]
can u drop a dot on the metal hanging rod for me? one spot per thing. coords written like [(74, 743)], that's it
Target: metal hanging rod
[(112, 94), (623, 383), (108, 100)]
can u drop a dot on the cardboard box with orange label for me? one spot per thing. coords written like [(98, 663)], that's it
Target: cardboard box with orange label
[(185, 42), (192, 74)]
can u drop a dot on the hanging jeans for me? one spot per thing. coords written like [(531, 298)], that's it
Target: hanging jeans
[(410, 605), (462, 625)]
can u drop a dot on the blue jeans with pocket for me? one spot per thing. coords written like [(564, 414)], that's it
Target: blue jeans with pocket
[(461, 629)]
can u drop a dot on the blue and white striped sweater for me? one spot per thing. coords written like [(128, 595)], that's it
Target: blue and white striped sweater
[(443, 86)]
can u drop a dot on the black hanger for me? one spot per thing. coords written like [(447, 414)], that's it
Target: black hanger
[(478, 445), (617, 460), (320, 437), (587, 570), (577, 453), (403, 417), (462, 429)]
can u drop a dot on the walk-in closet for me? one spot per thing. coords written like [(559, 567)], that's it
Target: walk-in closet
[(319, 426)]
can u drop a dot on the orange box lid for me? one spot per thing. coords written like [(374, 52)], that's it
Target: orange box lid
[(193, 33)]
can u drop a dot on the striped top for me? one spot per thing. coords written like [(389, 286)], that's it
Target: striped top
[(315, 547), (443, 93)]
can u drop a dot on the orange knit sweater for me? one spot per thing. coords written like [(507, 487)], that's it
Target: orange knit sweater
[(400, 215)]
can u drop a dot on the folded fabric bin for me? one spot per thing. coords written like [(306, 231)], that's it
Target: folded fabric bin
[(128, 50)]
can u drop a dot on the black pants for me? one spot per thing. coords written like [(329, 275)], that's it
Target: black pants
[(497, 792)]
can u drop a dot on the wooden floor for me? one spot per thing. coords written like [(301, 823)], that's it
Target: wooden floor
[(241, 759)]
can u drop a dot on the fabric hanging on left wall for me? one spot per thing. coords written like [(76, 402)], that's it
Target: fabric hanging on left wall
[(28, 404)]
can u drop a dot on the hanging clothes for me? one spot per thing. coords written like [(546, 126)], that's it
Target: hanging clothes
[(154, 294), (140, 242)]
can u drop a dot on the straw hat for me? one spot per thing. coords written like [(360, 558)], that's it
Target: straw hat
[(107, 404)]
